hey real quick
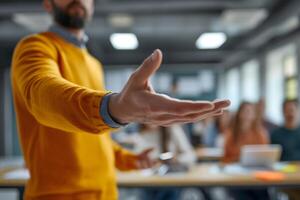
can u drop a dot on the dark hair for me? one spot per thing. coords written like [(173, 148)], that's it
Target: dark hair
[(286, 101), (164, 138)]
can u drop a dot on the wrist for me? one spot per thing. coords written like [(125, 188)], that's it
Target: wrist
[(115, 109)]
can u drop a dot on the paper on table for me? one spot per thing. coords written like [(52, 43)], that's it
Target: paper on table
[(17, 174), (235, 169), (287, 167)]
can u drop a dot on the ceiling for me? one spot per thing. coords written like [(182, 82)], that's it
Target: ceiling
[(171, 25)]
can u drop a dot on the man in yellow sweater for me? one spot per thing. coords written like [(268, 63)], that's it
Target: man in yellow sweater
[(65, 115)]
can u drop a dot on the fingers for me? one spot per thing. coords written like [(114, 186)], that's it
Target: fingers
[(183, 121), (149, 67), (162, 104), (189, 117), (221, 104), (169, 120), (184, 114)]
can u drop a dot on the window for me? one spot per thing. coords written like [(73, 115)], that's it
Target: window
[(232, 87), (250, 90), (290, 74), (221, 91), (278, 86)]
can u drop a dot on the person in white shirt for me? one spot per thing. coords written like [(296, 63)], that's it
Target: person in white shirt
[(166, 139)]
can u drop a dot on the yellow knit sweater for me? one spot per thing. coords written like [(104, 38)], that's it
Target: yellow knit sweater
[(57, 90)]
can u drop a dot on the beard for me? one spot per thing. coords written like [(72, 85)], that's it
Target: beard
[(65, 19)]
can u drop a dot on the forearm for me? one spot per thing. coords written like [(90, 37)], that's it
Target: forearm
[(60, 104)]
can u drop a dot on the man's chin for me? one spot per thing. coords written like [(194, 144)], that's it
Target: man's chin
[(78, 14)]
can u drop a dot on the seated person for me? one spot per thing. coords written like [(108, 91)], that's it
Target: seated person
[(288, 136), (166, 139), (244, 131)]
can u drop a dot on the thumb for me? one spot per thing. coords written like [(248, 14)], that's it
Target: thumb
[(149, 66)]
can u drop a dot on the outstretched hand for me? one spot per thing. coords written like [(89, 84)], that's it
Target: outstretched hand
[(138, 102)]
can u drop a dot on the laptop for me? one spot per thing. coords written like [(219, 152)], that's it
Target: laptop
[(260, 155)]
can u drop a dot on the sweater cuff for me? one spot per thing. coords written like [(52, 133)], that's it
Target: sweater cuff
[(106, 116)]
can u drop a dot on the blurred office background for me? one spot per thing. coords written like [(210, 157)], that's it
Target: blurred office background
[(243, 50)]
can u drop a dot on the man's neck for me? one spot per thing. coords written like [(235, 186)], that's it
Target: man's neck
[(290, 125), (78, 33)]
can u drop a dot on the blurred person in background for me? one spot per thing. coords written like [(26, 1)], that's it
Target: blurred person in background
[(244, 131), (165, 139), (214, 135), (288, 135), (65, 115), (261, 119)]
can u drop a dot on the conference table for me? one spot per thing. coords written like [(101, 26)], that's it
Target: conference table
[(201, 175), (207, 154)]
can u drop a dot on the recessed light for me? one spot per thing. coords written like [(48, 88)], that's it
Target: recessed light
[(124, 41), (211, 40)]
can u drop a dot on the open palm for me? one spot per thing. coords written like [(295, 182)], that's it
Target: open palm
[(138, 102)]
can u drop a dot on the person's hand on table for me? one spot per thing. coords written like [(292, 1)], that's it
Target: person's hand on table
[(143, 160), (138, 102)]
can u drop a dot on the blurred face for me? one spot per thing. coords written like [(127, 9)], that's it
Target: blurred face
[(291, 112), (70, 13), (247, 114)]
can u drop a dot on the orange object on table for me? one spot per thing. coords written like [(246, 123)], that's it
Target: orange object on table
[(269, 176)]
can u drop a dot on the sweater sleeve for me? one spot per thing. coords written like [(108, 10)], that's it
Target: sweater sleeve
[(51, 99), (124, 159)]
